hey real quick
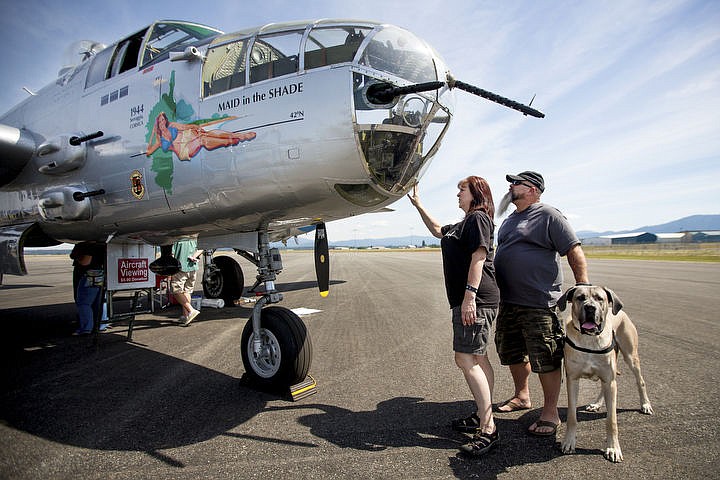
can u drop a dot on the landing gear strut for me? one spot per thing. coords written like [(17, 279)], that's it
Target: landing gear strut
[(276, 346)]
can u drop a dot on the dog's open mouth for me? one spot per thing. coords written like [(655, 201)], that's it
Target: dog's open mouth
[(589, 328)]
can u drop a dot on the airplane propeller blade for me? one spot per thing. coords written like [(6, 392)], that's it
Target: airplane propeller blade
[(322, 260)]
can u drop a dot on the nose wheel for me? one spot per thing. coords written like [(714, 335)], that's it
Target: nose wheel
[(285, 350), (275, 344)]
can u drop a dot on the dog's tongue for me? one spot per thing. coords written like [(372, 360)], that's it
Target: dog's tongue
[(588, 325)]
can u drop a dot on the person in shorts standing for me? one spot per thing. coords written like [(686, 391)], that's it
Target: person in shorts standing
[(467, 252), (182, 283), (529, 335)]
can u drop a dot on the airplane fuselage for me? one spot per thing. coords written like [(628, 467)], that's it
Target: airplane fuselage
[(239, 139), (268, 128)]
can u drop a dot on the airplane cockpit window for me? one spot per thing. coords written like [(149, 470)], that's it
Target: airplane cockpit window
[(400, 53), (274, 55), (224, 67), (115, 60), (166, 36), (126, 54), (329, 46), (98, 70)]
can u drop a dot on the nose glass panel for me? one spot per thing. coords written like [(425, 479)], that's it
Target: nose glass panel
[(399, 52), (398, 140)]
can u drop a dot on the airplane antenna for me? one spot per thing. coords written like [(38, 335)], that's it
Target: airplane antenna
[(29, 92)]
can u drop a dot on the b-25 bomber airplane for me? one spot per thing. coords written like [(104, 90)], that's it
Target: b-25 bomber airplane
[(242, 139)]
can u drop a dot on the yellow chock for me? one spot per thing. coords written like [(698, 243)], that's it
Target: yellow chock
[(303, 389)]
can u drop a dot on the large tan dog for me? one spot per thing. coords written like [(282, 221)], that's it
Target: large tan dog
[(595, 329)]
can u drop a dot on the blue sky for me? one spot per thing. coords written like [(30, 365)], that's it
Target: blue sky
[(630, 89)]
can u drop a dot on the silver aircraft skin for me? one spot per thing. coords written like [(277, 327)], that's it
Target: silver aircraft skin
[(320, 151), (241, 139)]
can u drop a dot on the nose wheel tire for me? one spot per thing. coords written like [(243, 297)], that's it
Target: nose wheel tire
[(286, 350)]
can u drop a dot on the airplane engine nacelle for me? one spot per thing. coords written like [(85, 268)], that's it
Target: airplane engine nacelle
[(65, 204), (60, 155), (17, 147)]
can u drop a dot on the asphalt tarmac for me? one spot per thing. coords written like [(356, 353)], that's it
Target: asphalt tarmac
[(169, 405)]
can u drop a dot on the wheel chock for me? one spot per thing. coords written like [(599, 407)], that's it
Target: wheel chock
[(303, 389)]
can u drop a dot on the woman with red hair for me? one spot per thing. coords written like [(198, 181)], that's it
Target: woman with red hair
[(468, 251)]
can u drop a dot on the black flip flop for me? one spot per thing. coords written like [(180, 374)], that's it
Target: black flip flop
[(544, 423)]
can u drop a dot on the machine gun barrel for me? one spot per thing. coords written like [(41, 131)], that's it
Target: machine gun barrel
[(494, 97), (80, 196), (382, 93), (75, 141)]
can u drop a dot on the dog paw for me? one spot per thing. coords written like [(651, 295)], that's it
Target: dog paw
[(568, 445), (613, 454), (647, 409), (593, 407)]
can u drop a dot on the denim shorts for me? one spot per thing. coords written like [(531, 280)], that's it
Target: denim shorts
[(527, 334), (473, 338)]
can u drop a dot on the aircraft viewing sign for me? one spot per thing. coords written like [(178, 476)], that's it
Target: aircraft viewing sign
[(129, 266), (132, 270)]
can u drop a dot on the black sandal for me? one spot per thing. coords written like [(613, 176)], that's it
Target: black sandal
[(481, 443), (470, 424)]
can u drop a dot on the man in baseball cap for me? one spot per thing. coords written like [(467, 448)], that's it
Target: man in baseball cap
[(532, 177), (528, 334)]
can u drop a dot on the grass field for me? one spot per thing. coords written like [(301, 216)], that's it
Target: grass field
[(681, 252)]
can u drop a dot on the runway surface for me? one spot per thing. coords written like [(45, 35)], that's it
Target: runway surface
[(169, 405)]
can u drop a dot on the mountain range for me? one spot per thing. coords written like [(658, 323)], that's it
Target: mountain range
[(690, 223), (693, 223)]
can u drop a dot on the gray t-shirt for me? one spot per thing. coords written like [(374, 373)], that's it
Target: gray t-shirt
[(527, 263)]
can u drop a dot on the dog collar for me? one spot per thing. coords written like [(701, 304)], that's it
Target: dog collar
[(588, 350)]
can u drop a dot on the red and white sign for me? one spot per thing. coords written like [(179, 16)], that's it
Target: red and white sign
[(128, 266), (132, 270)]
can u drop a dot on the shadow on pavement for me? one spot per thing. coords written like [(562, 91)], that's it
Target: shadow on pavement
[(111, 395), (412, 422)]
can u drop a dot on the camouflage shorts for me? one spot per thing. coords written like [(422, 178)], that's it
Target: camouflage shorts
[(526, 334)]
